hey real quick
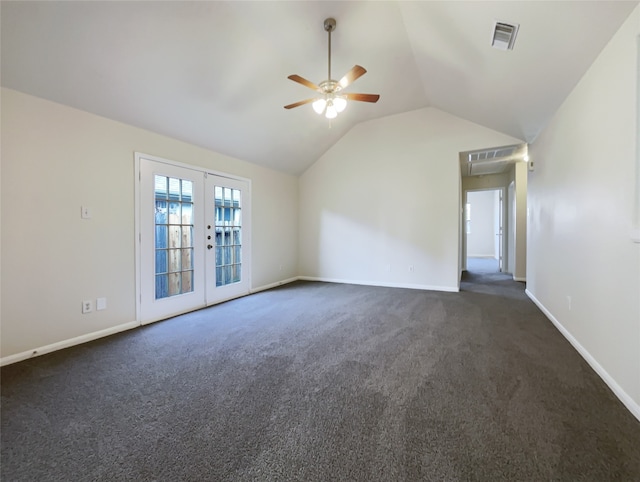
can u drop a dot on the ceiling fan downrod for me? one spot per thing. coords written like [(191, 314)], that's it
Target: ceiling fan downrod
[(329, 26), (328, 103)]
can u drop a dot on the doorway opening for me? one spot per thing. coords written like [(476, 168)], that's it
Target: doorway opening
[(500, 175), (484, 231)]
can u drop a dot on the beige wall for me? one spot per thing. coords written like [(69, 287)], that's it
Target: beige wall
[(382, 205), (55, 159), (583, 266)]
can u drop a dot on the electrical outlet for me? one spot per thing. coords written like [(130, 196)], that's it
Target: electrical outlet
[(410, 268), (85, 212), (87, 306)]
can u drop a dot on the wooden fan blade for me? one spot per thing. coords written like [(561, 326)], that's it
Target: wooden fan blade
[(297, 104), (303, 81), (363, 97), (355, 73)]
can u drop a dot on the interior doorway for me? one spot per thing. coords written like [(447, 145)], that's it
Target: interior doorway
[(499, 168), (485, 246)]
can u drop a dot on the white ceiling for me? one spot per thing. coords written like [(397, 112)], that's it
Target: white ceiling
[(215, 73)]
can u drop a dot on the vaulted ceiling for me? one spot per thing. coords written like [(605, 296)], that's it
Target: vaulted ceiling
[(215, 73)]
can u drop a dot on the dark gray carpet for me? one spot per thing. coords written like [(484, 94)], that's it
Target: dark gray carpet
[(323, 382)]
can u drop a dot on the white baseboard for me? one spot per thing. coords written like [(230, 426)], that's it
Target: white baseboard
[(519, 278), (624, 397), (382, 284), (274, 285), (100, 334), (67, 343)]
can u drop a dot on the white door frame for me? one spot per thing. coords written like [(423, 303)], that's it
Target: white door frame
[(503, 223), (511, 227)]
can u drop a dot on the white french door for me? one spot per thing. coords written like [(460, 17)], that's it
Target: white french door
[(194, 238), (227, 238)]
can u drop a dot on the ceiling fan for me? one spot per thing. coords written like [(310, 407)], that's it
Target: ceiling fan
[(331, 100)]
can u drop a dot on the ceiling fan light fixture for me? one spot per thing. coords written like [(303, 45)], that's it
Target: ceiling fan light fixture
[(331, 112), (340, 103), (319, 105)]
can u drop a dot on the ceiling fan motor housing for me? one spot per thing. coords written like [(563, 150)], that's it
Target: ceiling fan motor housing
[(329, 86)]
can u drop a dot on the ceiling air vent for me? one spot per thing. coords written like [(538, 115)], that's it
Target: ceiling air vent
[(504, 35)]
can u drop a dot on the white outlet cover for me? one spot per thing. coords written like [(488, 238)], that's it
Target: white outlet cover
[(101, 304)]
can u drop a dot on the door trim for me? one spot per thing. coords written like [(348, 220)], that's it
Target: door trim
[(503, 221)]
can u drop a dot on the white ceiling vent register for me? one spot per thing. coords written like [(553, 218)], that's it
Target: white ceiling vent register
[(504, 35), (495, 160), (495, 153)]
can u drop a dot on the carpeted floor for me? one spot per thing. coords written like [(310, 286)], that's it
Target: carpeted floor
[(323, 382), (482, 265)]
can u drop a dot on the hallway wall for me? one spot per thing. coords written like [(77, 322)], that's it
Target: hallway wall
[(583, 266)]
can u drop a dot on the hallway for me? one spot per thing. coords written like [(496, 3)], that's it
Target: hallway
[(483, 276)]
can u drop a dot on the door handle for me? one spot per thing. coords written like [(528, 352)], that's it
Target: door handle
[(209, 246)]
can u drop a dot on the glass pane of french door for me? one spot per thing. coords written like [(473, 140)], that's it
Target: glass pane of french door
[(228, 202), (228, 223), (173, 236)]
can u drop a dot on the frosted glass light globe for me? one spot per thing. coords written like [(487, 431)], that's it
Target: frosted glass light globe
[(319, 105)]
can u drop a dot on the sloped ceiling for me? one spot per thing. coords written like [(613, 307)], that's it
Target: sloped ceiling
[(215, 73)]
